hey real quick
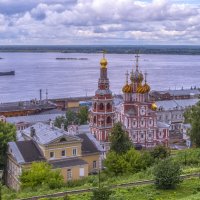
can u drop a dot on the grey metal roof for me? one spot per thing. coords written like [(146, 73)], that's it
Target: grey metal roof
[(33, 118), (25, 151), (187, 126), (14, 150), (162, 125), (84, 128), (45, 134), (89, 144), (67, 162), (176, 104), (103, 92)]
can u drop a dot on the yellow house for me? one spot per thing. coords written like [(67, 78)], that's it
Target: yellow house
[(75, 155)]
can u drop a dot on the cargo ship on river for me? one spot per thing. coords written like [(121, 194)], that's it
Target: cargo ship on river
[(10, 73)]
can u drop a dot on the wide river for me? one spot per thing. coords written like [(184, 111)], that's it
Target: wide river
[(75, 77)]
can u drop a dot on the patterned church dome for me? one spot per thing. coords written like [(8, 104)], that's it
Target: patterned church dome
[(127, 88)]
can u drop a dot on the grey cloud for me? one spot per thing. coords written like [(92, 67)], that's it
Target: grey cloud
[(91, 21)]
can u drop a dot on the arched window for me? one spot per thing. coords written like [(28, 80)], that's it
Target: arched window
[(108, 106), (95, 119), (95, 105), (109, 120), (101, 106)]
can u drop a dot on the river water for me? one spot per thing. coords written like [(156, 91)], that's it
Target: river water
[(75, 77)]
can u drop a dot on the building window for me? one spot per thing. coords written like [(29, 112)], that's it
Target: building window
[(69, 174), (108, 106), (101, 106), (51, 154), (63, 153), (74, 151), (94, 164), (142, 136), (109, 120), (95, 119)]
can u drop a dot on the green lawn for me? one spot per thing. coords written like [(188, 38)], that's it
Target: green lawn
[(188, 190)]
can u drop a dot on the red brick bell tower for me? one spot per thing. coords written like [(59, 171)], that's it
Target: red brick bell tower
[(102, 112)]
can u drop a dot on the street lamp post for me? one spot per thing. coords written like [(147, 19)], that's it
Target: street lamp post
[(1, 176), (99, 180)]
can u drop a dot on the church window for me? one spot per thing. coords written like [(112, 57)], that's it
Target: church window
[(109, 120), (95, 119), (95, 105), (101, 106), (108, 106)]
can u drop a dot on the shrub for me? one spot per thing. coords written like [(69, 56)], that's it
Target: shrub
[(160, 152), (40, 173), (102, 193), (167, 174)]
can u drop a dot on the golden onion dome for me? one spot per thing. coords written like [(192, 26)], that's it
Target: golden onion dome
[(127, 89), (103, 63), (154, 106), (140, 88), (146, 87)]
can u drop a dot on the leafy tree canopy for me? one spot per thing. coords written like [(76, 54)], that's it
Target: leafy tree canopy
[(102, 193), (160, 152), (41, 173), (167, 174), (72, 117), (130, 162), (192, 116), (120, 141), (7, 134)]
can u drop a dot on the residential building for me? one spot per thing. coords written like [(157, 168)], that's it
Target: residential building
[(172, 112), (75, 155)]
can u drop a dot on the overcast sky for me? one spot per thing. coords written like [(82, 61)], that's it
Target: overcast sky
[(68, 22)]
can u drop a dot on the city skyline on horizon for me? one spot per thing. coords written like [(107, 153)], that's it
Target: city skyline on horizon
[(98, 22)]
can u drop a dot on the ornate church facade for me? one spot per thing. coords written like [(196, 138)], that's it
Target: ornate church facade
[(102, 111), (137, 113)]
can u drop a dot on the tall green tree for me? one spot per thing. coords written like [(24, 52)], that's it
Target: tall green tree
[(115, 164), (83, 115), (192, 116), (7, 134), (120, 141), (59, 121), (71, 117), (41, 173)]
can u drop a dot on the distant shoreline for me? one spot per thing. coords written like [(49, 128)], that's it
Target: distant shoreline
[(112, 49)]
